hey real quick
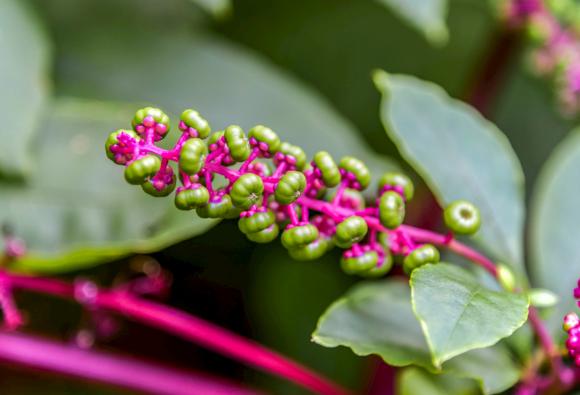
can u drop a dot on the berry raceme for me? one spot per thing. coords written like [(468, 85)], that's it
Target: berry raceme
[(273, 190), (572, 326)]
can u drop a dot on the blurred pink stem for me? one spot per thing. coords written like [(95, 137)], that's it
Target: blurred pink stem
[(180, 324), (109, 368)]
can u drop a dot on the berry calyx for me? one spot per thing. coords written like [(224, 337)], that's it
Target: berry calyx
[(397, 182)]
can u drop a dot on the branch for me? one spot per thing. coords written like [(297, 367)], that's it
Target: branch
[(180, 324), (110, 368)]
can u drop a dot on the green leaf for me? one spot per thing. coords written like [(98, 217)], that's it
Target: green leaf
[(224, 83), (555, 215), (427, 16), (76, 210), (377, 318), (25, 56), (460, 155), (413, 381), (458, 314), (218, 8)]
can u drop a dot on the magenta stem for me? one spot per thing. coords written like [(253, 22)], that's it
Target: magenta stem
[(110, 368), (185, 326)]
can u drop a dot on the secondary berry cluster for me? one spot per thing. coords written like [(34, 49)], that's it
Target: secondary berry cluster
[(271, 187), (572, 326)]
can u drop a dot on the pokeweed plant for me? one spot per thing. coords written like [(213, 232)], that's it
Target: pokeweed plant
[(314, 206)]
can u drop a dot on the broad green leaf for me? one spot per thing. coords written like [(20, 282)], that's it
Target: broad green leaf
[(458, 314), (24, 64), (460, 155), (218, 8), (555, 219), (226, 84), (414, 381), (76, 210), (377, 318), (427, 16)]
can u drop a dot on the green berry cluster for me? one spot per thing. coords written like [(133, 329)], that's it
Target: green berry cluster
[(273, 190)]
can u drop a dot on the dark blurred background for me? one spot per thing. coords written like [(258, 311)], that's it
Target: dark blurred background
[(175, 54)]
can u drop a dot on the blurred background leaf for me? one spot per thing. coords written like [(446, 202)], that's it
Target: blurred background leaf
[(24, 84), (554, 220), (76, 209), (427, 16)]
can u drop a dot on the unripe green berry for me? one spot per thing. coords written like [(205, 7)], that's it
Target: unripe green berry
[(188, 199), (192, 156), (148, 187), (328, 168), (462, 217), (156, 113), (296, 152), (350, 231), (423, 255), (237, 142), (257, 222), (216, 209), (193, 120), (264, 134), (140, 170), (358, 169), (113, 139), (247, 191), (391, 209), (290, 187), (265, 236), (380, 271), (359, 264), (311, 251), (299, 236), (392, 180), (215, 137)]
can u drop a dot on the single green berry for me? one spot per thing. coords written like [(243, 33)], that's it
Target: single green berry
[(140, 170), (462, 217), (397, 181), (158, 116), (328, 168), (380, 271), (247, 191), (420, 256), (215, 137), (192, 119), (299, 236), (257, 222), (150, 189), (265, 135), (290, 187), (359, 264), (391, 209), (358, 169), (311, 251), (192, 156), (188, 199), (506, 277), (113, 139), (265, 236), (218, 208), (237, 143), (350, 231), (295, 152)]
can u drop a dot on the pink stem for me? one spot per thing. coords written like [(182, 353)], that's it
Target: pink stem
[(183, 325), (110, 369)]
